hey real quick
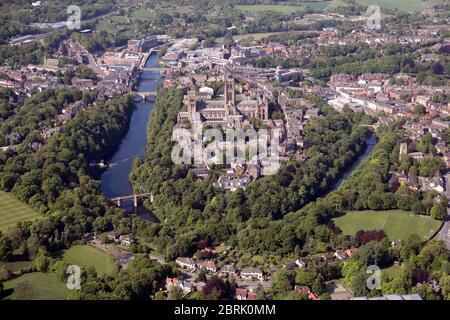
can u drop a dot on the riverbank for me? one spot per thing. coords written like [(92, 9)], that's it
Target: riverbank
[(115, 180), (370, 145)]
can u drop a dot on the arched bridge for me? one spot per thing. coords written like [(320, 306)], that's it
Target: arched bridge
[(135, 198), (149, 95)]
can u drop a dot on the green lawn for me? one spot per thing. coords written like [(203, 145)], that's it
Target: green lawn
[(337, 3), (143, 14), (397, 224), (392, 271), (403, 5), (13, 211), (15, 266), (258, 8), (86, 256), (255, 36), (36, 286)]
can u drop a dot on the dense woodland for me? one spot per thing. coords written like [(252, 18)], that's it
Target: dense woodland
[(55, 180)]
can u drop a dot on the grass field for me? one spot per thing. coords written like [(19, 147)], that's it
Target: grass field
[(392, 271), (13, 211), (284, 9), (337, 3), (36, 286), (397, 224), (255, 36), (85, 256), (15, 266), (403, 5)]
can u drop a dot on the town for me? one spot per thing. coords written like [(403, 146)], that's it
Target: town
[(326, 88)]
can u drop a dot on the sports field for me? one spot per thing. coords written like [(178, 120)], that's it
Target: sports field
[(36, 286), (13, 211), (85, 256), (397, 224)]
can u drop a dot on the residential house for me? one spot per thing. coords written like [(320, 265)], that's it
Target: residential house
[(437, 183), (341, 255), (250, 273), (201, 172), (112, 236), (302, 289), (350, 252), (171, 282), (127, 240), (313, 296), (186, 263), (272, 271), (413, 182), (186, 286), (244, 294), (301, 262), (229, 270), (208, 265)]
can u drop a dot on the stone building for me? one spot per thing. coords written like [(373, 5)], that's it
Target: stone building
[(228, 112)]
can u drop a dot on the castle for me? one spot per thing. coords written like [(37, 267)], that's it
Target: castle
[(229, 112)]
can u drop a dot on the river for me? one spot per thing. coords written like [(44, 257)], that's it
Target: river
[(115, 180), (371, 142)]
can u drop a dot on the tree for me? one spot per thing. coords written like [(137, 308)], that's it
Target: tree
[(419, 109), (359, 284), (160, 295), (438, 212), (283, 282), (215, 289), (351, 270), (304, 277), (418, 208), (429, 166), (228, 39), (6, 248), (325, 296), (399, 285), (426, 292), (60, 269), (294, 295), (375, 202), (444, 283), (318, 286), (175, 293), (260, 293), (41, 262)]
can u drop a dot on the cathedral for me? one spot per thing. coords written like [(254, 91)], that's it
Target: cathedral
[(229, 112)]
